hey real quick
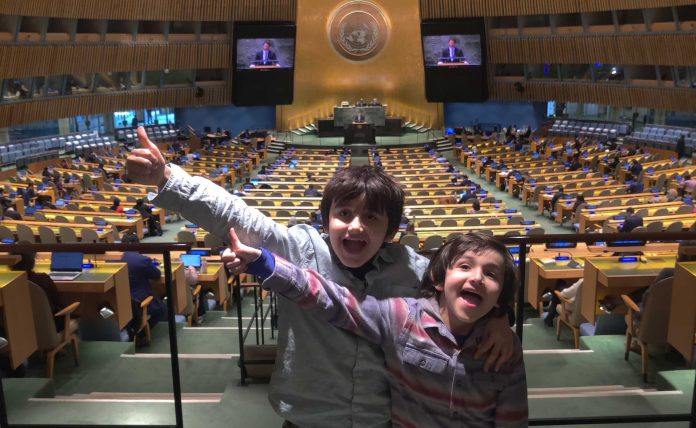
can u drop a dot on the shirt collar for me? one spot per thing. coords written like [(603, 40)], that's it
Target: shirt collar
[(431, 320)]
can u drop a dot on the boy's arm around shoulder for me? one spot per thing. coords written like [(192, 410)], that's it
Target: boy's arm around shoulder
[(376, 320)]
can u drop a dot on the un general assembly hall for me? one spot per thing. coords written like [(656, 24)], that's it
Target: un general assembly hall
[(347, 213)]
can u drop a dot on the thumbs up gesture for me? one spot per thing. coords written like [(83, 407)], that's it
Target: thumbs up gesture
[(238, 256), (146, 165)]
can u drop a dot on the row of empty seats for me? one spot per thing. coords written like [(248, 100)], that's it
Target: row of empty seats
[(665, 137), (156, 132), (588, 129), (10, 153)]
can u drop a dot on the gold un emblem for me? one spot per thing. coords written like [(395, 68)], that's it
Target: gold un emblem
[(358, 30)]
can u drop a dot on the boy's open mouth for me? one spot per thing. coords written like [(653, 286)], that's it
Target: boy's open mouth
[(470, 298), (354, 246)]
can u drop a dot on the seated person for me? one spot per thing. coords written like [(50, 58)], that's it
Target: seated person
[(4, 200), (635, 187), (360, 103), (632, 220), (467, 196), (567, 293), (558, 195), (116, 206), (11, 213), (153, 224), (688, 185), (312, 191), (26, 263), (644, 294), (45, 202), (140, 272), (476, 207), (375, 103)]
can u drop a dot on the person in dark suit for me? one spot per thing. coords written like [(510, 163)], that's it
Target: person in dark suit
[(375, 103), (451, 54), (360, 117), (140, 272), (360, 103), (265, 56), (632, 220)]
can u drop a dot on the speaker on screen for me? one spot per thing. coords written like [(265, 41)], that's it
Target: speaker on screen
[(264, 63), (454, 55)]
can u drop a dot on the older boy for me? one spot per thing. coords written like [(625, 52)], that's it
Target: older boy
[(322, 377)]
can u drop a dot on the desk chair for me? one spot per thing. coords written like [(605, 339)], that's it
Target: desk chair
[(89, 235), (6, 233), (684, 209), (652, 329), (67, 234), (654, 226), (433, 242), (62, 219), (410, 241), (677, 226), (47, 236), (212, 241), (144, 324), (48, 339), (24, 233), (186, 237), (39, 217)]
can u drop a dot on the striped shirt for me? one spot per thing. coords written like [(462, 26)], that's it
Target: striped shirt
[(434, 381)]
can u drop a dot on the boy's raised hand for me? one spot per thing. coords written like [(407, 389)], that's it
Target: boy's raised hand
[(238, 256), (146, 165)]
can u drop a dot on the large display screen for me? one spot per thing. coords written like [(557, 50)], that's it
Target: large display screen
[(454, 55), (264, 57)]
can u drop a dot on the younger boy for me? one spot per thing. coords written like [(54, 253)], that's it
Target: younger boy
[(323, 377), (428, 342)]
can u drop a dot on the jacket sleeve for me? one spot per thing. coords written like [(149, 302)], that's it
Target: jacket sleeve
[(361, 314), (214, 209)]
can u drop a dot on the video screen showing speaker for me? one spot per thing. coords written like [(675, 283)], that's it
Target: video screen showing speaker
[(454, 55), (264, 66)]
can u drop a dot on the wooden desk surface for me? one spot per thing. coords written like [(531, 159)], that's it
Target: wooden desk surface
[(107, 282), (607, 275), (682, 312)]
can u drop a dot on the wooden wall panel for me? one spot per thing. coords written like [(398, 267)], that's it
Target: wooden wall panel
[(46, 60), (61, 107), (432, 9), (617, 95), (156, 10), (652, 49)]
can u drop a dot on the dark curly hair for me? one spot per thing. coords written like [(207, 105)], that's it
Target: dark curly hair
[(477, 243)]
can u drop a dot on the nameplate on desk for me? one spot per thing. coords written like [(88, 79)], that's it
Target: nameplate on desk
[(628, 259), (562, 258)]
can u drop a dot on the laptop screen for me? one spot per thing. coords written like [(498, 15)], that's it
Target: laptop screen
[(199, 252), (191, 260), (66, 262)]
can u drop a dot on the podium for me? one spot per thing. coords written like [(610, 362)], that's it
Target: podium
[(359, 133)]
